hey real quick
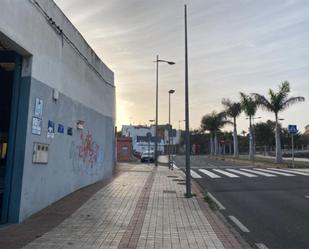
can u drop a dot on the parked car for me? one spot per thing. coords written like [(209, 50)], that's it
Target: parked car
[(147, 156)]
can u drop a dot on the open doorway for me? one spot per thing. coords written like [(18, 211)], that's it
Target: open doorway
[(6, 86)]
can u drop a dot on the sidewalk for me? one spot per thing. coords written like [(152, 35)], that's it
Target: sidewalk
[(298, 159), (144, 207)]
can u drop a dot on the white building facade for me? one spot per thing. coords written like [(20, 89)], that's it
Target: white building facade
[(143, 137), (58, 109)]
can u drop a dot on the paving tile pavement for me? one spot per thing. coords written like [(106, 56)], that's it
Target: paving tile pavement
[(173, 221), (102, 220), (144, 207)]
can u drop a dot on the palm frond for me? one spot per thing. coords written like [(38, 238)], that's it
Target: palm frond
[(214, 121), (226, 102), (292, 101), (248, 104), (262, 101), (232, 109), (284, 88)]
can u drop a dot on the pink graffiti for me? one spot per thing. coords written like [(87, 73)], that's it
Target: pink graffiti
[(88, 151)]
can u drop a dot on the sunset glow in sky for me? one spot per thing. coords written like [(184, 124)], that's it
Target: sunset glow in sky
[(234, 45)]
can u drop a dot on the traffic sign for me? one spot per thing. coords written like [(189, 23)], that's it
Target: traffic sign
[(292, 129)]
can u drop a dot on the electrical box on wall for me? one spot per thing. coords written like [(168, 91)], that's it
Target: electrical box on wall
[(40, 153)]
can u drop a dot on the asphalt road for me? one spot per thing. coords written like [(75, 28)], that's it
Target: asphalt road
[(271, 210)]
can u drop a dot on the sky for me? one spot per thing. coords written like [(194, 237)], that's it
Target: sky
[(234, 45)]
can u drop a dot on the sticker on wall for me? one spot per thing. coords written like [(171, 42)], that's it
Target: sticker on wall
[(3, 150), (36, 126), (38, 109), (80, 124), (51, 129), (60, 128), (70, 131)]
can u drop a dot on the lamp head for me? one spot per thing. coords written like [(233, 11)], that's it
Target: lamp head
[(171, 91)]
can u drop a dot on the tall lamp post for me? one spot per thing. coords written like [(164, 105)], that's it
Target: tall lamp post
[(149, 138), (179, 121), (157, 89), (254, 143), (187, 136), (170, 92)]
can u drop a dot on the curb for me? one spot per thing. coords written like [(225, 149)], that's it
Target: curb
[(239, 241)]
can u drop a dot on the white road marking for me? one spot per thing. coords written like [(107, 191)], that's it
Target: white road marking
[(221, 207), (291, 171), (209, 173), (175, 167), (275, 172), (194, 174), (239, 224), (225, 173), (258, 172), (261, 246), (241, 173), (301, 170)]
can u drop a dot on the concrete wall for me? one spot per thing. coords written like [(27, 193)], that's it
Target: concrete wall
[(55, 62), (62, 61), (74, 161)]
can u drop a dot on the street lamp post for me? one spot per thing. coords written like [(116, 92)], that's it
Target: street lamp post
[(149, 136), (253, 135), (179, 121), (157, 88), (170, 92), (187, 136)]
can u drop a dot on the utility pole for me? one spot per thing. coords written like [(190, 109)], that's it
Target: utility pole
[(293, 164), (187, 136)]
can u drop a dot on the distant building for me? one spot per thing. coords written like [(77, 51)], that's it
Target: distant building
[(124, 149), (306, 130), (143, 137)]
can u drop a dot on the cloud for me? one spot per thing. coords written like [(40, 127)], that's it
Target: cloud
[(239, 45)]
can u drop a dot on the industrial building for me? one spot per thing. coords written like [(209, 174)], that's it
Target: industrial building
[(57, 104)]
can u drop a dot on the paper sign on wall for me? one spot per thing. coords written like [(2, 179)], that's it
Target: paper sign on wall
[(38, 109), (60, 128), (36, 126), (70, 131), (51, 129)]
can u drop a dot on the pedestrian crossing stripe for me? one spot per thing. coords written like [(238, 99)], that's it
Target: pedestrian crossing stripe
[(226, 173), (274, 172), (194, 174), (259, 173), (242, 173), (296, 172), (209, 173), (246, 172)]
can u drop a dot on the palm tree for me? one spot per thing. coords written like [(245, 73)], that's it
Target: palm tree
[(277, 102), (233, 110), (213, 122), (249, 106)]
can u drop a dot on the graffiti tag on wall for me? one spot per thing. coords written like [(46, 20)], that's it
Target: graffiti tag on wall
[(87, 157)]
